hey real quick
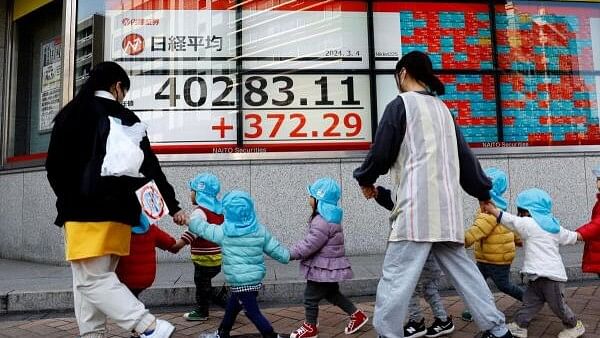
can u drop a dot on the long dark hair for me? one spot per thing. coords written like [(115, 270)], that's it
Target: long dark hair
[(419, 66), (103, 76)]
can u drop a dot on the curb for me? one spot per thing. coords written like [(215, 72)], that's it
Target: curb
[(291, 291)]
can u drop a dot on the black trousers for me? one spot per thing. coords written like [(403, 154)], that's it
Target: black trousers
[(317, 291), (203, 276)]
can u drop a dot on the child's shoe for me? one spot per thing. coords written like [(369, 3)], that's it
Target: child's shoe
[(574, 332), (516, 330), (196, 315), (414, 329), (357, 320), (488, 334), (440, 327), (306, 331), (466, 316), (163, 329)]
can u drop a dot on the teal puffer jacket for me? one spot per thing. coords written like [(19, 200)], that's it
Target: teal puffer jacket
[(243, 260)]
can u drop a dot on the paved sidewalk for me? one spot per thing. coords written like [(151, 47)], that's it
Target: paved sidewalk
[(26, 286), (584, 300)]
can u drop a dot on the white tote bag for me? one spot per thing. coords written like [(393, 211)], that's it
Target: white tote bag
[(124, 156)]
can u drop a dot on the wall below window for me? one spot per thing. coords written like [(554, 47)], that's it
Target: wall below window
[(27, 207)]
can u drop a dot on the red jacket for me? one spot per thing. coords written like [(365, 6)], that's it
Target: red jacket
[(591, 235), (137, 271)]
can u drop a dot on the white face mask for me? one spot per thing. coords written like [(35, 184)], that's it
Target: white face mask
[(400, 79)]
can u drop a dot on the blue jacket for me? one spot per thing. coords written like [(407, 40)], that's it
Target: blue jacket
[(243, 260)]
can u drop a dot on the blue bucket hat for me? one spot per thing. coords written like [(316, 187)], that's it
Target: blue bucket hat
[(143, 227), (327, 192), (596, 171), (539, 205), (240, 217), (499, 186), (207, 187)]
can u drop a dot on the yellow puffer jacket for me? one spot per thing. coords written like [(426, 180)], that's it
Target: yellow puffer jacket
[(493, 243)]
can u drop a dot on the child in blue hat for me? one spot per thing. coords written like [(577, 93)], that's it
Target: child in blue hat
[(243, 241), (206, 255), (494, 244), (543, 267), (324, 263)]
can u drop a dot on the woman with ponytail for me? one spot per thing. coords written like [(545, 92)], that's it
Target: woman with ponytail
[(97, 209), (418, 141)]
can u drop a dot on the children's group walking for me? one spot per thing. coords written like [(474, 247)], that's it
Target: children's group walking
[(111, 248)]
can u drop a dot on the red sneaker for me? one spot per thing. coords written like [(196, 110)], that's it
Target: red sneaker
[(306, 331), (357, 320)]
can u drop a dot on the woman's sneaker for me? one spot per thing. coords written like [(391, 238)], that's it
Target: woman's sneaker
[(440, 327), (414, 329), (488, 334), (163, 329), (357, 320), (306, 331), (516, 330), (574, 332), (195, 316)]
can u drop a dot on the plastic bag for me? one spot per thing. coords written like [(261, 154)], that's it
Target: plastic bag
[(124, 156)]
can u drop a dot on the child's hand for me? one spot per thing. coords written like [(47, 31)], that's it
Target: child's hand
[(579, 237), (181, 218), (490, 208), (179, 244)]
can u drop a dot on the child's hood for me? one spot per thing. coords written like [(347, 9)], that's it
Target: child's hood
[(499, 186), (539, 205), (327, 193), (240, 217), (207, 187)]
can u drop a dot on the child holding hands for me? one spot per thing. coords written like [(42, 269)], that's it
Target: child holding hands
[(543, 267), (590, 233), (243, 241), (323, 260)]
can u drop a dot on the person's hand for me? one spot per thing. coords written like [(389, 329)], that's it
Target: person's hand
[(369, 191), (181, 218), (490, 208), (179, 244), (579, 237)]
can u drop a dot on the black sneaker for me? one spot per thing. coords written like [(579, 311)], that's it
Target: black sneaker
[(488, 334), (414, 329), (440, 327)]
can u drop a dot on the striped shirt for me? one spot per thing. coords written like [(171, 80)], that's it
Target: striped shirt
[(418, 142)]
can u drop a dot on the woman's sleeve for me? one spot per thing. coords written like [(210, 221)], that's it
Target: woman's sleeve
[(151, 169), (472, 177), (386, 146)]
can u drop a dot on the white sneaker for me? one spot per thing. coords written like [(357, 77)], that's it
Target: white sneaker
[(574, 332), (163, 329), (516, 330), (209, 335)]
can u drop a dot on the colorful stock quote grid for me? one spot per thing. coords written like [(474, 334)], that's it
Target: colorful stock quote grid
[(453, 39), (548, 109), (471, 100)]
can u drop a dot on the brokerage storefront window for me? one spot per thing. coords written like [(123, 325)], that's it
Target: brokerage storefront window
[(214, 76), (36, 85)]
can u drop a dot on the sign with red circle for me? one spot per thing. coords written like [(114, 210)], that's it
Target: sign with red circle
[(133, 44)]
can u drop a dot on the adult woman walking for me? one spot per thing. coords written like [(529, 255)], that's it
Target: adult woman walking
[(98, 209), (418, 141)]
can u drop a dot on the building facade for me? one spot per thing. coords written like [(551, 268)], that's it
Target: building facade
[(272, 94)]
